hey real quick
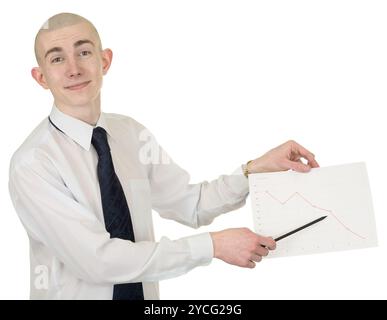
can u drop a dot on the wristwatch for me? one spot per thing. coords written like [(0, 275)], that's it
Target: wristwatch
[(245, 169)]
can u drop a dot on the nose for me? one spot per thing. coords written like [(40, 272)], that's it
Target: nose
[(73, 69)]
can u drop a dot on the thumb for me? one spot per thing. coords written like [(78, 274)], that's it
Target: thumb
[(297, 166)]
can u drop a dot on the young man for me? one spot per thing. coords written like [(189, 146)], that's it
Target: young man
[(84, 184)]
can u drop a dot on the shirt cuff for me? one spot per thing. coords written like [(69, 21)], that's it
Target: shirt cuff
[(202, 249), (240, 184)]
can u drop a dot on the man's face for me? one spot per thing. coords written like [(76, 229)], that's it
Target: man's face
[(71, 64)]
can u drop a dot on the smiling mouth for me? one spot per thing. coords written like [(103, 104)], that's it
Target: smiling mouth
[(78, 86)]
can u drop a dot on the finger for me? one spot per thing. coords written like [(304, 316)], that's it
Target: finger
[(268, 242), (296, 165), (256, 258), (313, 164), (305, 153), (262, 251)]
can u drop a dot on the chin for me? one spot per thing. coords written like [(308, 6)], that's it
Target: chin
[(81, 103), (81, 99)]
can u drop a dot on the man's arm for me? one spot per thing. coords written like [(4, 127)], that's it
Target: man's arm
[(194, 205), (198, 204), (72, 232)]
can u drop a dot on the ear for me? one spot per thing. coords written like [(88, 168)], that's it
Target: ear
[(37, 74), (107, 56)]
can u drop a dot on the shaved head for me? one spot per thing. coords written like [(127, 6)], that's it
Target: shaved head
[(60, 21)]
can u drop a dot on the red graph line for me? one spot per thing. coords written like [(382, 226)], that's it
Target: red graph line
[(330, 212)]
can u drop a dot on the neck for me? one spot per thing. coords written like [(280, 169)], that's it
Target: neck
[(88, 113)]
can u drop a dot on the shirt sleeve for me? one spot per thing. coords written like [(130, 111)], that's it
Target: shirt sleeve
[(194, 205), (53, 217)]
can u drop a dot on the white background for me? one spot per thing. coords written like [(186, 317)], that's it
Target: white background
[(219, 83)]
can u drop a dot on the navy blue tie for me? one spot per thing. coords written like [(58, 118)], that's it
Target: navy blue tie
[(115, 209)]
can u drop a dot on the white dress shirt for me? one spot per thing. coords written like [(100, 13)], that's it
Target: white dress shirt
[(54, 187)]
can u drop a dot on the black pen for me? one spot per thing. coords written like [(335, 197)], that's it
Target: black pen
[(300, 228)]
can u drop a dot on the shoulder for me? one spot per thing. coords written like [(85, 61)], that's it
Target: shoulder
[(35, 148), (125, 124)]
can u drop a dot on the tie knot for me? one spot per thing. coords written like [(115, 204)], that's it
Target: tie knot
[(99, 141)]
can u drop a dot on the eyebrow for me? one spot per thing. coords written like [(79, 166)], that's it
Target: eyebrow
[(76, 44)]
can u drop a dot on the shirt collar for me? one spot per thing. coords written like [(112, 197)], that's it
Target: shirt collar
[(78, 130)]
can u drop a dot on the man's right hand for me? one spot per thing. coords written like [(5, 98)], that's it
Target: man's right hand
[(241, 246)]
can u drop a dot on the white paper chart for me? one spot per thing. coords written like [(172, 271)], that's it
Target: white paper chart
[(284, 201)]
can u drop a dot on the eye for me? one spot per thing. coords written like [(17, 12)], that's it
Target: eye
[(85, 53), (57, 60)]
